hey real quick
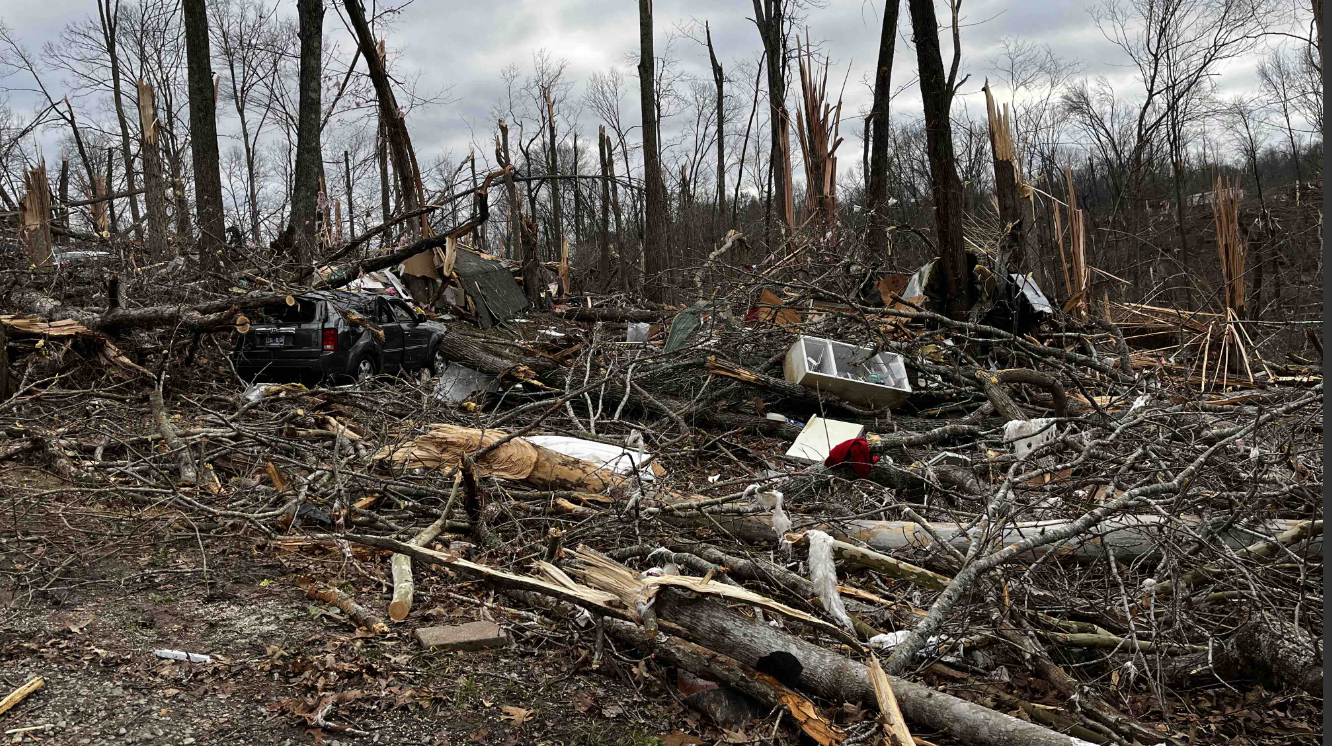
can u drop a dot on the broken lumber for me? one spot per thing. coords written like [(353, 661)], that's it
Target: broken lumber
[(404, 587)]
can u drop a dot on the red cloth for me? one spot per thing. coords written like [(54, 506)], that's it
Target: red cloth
[(855, 452)]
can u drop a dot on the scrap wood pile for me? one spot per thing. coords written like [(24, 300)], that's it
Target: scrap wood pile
[(805, 494)]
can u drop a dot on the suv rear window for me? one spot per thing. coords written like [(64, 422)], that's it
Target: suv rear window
[(304, 312)]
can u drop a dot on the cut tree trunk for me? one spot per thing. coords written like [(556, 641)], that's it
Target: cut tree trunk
[(404, 586)]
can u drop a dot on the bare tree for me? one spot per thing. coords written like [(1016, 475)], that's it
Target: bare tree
[(719, 78), (876, 197), (305, 190), (203, 133), (656, 263), (937, 90), (242, 33)]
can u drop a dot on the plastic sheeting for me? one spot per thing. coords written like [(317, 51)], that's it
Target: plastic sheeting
[(615, 458)]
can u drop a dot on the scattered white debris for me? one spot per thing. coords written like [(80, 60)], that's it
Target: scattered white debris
[(637, 332), (1028, 435), (615, 458), (181, 655), (889, 640), (823, 575), (781, 522)]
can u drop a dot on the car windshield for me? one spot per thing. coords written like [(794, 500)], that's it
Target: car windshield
[(303, 312)]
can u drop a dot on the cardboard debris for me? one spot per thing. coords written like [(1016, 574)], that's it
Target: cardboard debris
[(819, 437)]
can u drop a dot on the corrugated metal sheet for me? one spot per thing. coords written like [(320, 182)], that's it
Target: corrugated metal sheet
[(490, 285)]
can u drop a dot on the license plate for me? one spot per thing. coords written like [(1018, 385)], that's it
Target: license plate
[(275, 340)]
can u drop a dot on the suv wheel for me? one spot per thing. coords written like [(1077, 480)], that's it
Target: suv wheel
[(365, 370), (438, 362)]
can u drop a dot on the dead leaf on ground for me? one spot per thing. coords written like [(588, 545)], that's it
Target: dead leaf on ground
[(735, 736), (517, 714), (612, 710), (680, 738)]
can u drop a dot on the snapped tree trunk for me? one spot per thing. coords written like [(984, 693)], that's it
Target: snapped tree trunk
[(553, 169), (770, 19), (153, 181), (305, 186), (656, 263), (394, 127), (876, 197), (720, 79), (106, 12), (945, 186), (604, 260), (203, 135), (1007, 185)]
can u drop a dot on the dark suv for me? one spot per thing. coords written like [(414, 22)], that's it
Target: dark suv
[(314, 339)]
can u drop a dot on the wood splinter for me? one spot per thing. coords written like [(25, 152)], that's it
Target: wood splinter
[(21, 693)]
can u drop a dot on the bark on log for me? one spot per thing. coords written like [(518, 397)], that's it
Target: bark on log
[(1266, 648), (842, 680), (1126, 536), (358, 614), (404, 586)]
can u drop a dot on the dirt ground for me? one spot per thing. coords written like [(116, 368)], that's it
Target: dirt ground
[(130, 583)]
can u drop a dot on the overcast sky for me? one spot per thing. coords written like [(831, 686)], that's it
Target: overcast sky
[(462, 45)]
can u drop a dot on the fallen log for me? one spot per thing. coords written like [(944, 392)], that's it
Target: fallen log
[(210, 316), (748, 640), (1272, 650), (358, 614), (404, 587), (612, 314), (840, 679), (1123, 536), (1260, 550)]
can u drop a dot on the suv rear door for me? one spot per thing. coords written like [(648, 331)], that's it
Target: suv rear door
[(393, 336), (282, 332)]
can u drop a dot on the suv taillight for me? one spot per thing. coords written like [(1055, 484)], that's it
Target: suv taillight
[(330, 340)]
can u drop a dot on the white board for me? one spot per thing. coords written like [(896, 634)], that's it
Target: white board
[(819, 437)]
